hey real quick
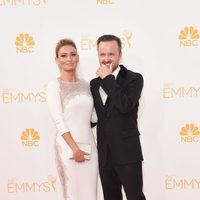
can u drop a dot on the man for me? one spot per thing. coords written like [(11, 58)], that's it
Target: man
[(116, 93)]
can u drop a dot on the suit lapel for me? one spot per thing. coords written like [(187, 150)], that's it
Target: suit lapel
[(98, 98), (97, 94), (120, 79), (107, 103)]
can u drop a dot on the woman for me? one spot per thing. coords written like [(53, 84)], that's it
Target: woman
[(71, 104)]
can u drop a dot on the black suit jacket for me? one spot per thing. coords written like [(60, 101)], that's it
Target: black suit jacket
[(117, 119)]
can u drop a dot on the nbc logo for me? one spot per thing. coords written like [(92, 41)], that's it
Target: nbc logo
[(103, 2), (189, 36), (24, 43), (189, 133), (30, 138)]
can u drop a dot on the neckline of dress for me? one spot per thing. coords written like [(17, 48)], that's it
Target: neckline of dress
[(68, 82)]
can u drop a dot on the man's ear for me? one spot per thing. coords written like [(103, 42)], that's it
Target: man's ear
[(120, 55)]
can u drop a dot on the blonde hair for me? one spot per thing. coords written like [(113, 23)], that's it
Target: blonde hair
[(64, 42)]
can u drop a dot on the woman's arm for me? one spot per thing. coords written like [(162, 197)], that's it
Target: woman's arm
[(55, 107)]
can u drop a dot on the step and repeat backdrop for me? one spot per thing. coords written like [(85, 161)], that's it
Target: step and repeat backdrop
[(161, 40)]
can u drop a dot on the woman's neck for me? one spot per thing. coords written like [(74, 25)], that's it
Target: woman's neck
[(68, 77)]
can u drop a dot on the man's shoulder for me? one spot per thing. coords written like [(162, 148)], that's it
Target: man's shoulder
[(126, 72), (133, 75)]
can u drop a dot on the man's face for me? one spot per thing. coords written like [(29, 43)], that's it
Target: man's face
[(109, 54)]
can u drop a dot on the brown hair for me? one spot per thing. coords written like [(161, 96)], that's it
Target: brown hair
[(105, 38), (64, 42)]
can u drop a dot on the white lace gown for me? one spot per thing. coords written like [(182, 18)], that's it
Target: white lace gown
[(71, 107)]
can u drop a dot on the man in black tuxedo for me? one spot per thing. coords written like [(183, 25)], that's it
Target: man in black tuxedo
[(116, 93)]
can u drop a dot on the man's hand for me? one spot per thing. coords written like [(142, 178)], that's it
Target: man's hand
[(104, 70)]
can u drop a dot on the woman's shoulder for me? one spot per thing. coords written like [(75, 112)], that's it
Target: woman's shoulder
[(84, 83), (82, 80), (54, 83)]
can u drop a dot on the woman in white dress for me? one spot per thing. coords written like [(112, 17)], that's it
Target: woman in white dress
[(71, 105)]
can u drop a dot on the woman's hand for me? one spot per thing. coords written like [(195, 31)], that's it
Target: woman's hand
[(79, 155)]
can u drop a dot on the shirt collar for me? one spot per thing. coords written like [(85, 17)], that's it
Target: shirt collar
[(115, 73)]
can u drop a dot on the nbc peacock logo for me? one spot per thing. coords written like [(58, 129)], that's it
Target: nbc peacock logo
[(189, 36), (24, 43), (30, 138), (189, 133)]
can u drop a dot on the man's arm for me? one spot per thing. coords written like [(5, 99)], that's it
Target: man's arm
[(123, 100)]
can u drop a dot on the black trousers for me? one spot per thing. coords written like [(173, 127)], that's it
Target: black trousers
[(113, 177)]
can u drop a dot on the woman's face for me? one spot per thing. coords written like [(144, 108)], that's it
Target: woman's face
[(68, 58)]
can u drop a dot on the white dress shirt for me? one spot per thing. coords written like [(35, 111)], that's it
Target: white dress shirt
[(101, 90)]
